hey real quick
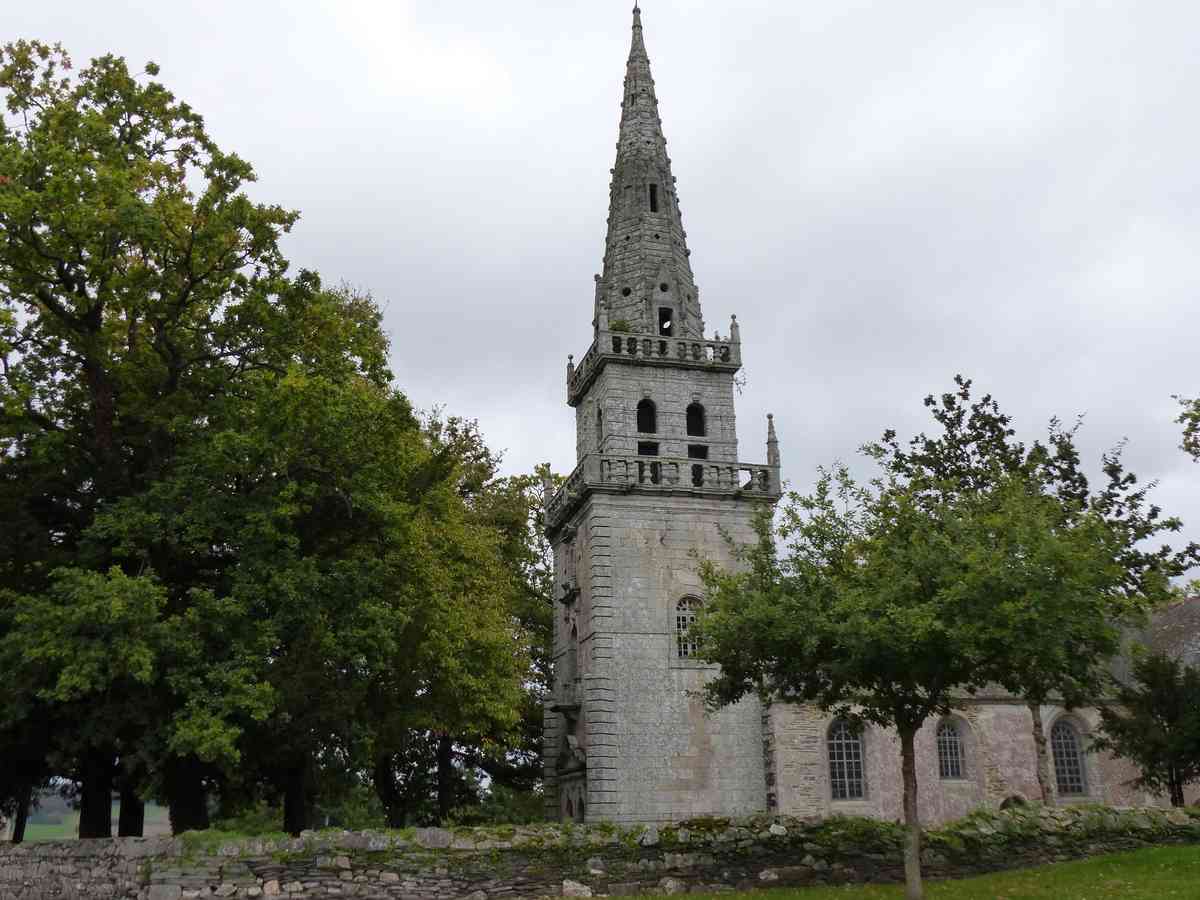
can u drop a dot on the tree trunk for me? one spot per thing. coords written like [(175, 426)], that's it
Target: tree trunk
[(95, 795), (132, 820), (230, 802), (388, 793), (912, 819), (297, 806), (1175, 785), (1041, 765), (21, 814), (187, 798), (445, 775)]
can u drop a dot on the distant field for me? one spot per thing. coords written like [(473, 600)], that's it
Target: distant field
[(62, 832), (1160, 873), (157, 822)]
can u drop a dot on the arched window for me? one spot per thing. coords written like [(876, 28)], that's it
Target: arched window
[(696, 426), (1068, 758), (666, 322), (685, 617), (950, 750), (847, 778), (647, 417)]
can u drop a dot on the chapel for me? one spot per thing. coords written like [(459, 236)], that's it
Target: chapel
[(658, 485)]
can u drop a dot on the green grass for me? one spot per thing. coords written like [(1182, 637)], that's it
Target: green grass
[(157, 822), (1160, 873), (63, 831)]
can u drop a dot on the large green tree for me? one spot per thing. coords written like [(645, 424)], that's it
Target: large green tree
[(1154, 721), (233, 542), (432, 766), (137, 282)]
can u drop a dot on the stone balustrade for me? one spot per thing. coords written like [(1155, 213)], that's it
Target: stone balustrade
[(621, 472), (611, 346)]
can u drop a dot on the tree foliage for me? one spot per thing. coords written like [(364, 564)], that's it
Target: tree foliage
[(970, 561), (237, 558), (1189, 418), (1154, 721), (1055, 645)]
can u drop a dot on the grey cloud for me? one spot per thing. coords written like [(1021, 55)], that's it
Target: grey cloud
[(885, 194)]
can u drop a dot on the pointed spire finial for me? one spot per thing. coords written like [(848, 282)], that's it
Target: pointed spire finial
[(772, 442)]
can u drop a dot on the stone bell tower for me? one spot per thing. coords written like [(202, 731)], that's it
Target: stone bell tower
[(658, 481)]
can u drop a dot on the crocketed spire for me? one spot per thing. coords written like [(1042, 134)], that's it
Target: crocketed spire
[(647, 282)]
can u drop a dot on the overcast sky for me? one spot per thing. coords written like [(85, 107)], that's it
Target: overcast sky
[(884, 193)]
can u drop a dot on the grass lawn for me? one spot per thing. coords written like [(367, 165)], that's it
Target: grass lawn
[(63, 831), (157, 822), (1159, 873)]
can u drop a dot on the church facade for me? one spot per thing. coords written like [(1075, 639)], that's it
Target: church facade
[(658, 483)]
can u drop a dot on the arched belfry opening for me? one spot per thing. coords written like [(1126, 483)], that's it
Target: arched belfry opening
[(697, 421), (666, 321), (647, 417)]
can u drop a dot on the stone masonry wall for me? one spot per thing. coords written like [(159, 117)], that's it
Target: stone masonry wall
[(999, 763), (538, 861), (621, 386), (653, 752)]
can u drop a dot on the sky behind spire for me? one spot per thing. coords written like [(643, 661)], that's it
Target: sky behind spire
[(885, 195)]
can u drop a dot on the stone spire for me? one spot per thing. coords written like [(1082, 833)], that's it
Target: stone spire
[(647, 279)]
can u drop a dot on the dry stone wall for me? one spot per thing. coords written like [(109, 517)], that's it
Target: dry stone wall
[(540, 861)]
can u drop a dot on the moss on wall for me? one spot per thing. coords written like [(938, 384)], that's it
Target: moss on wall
[(533, 861)]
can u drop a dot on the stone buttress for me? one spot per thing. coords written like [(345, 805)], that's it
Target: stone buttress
[(658, 483)]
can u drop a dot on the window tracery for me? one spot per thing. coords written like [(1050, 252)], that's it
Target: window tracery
[(1066, 748), (847, 775)]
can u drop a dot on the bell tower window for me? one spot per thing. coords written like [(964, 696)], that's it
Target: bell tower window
[(696, 425), (666, 321), (647, 417), (654, 198)]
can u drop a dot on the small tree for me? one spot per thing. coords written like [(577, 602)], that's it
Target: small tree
[(1053, 642), (880, 609), (971, 561), (1155, 723)]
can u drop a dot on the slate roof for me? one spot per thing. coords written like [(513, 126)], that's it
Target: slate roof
[(1175, 630)]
